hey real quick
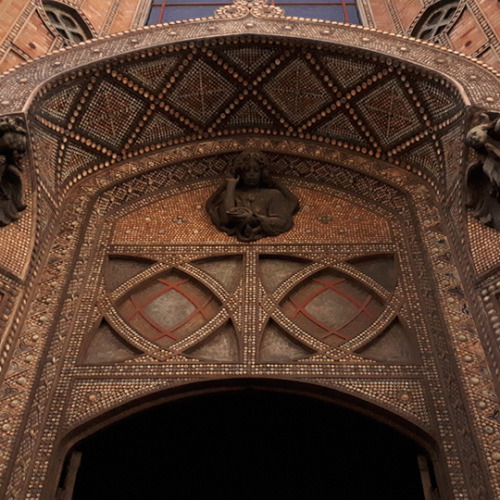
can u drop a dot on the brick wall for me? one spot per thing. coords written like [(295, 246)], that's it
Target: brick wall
[(24, 32), (475, 30)]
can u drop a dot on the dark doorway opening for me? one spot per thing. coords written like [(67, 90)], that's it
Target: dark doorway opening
[(249, 444)]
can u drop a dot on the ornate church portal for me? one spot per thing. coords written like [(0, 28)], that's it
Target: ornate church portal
[(372, 298)]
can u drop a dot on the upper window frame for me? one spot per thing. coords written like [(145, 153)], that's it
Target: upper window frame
[(59, 16), (447, 12), (161, 5)]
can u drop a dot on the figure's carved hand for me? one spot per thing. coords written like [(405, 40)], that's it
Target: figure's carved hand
[(232, 181), (239, 213)]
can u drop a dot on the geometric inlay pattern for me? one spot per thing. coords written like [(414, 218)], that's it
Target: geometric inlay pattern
[(47, 147), (276, 345), (392, 113), (423, 155), (156, 129), (201, 91), (275, 271), (222, 346), (250, 115), (250, 59), (343, 128), (337, 303), (169, 308), (110, 114), (77, 157), (156, 98), (297, 91), (58, 105), (332, 307), (348, 72), (437, 101), (342, 322), (152, 74)]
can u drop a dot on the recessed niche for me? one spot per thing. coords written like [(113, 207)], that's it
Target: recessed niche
[(332, 307), (169, 307), (226, 270), (380, 268), (392, 346), (275, 270)]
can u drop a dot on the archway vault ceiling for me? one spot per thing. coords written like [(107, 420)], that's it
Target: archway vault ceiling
[(244, 85)]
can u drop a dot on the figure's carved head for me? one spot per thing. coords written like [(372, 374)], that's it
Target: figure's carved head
[(251, 167), (477, 136), (12, 136)]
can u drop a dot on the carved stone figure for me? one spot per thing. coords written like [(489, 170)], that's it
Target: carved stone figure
[(12, 148), (483, 175), (251, 205)]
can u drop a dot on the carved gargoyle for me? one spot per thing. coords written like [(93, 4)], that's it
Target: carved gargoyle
[(251, 205), (12, 149), (483, 174)]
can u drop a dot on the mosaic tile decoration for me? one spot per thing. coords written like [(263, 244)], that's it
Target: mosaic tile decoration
[(125, 234), (182, 220), (249, 84), (139, 184), (457, 379)]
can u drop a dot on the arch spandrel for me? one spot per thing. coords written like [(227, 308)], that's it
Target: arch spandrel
[(463, 70), (413, 165), (262, 85), (113, 216)]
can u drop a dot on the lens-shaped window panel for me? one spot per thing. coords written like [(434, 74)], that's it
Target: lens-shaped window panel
[(169, 308), (332, 307)]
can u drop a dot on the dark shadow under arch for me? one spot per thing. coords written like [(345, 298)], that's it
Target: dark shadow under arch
[(251, 440)]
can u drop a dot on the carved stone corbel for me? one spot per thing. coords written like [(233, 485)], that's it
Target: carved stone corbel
[(483, 173), (12, 149)]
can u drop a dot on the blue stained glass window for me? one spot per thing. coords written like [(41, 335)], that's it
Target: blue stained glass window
[(163, 11), (154, 15)]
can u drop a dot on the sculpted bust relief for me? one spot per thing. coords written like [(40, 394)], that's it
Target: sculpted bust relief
[(483, 175), (12, 148), (251, 205)]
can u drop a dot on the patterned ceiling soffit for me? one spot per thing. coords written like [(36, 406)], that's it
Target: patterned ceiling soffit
[(244, 85), (127, 95)]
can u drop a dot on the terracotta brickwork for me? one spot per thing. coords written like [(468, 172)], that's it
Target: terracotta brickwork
[(474, 29), (25, 33), (118, 289)]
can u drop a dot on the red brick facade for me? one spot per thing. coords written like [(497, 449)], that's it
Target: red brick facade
[(25, 32)]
